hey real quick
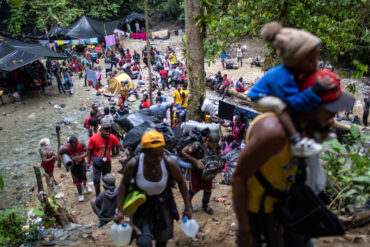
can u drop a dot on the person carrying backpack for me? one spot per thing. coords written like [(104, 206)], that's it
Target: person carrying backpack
[(203, 172)]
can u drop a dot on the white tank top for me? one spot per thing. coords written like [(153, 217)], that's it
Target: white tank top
[(151, 188)]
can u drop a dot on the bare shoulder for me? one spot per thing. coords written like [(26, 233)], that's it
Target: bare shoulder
[(269, 129)]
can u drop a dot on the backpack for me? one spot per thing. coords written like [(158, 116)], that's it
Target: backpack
[(194, 135), (300, 210), (211, 163)]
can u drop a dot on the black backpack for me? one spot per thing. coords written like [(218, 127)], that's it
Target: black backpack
[(300, 210)]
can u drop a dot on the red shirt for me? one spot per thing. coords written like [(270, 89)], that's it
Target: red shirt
[(98, 143), (163, 72), (227, 82), (146, 103)]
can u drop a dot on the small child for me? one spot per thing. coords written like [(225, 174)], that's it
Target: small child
[(278, 88), (105, 204)]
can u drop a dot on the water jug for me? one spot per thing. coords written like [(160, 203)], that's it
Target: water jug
[(121, 233), (189, 227), (89, 176)]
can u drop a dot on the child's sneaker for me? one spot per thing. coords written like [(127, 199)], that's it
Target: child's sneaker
[(81, 198), (306, 147)]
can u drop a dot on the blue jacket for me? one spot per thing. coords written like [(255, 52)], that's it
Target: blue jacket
[(279, 82)]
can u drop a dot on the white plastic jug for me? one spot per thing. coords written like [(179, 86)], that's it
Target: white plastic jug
[(89, 176), (189, 227), (121, 233)]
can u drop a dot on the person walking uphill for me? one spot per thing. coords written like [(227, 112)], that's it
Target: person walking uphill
[(267, 159), (196, 154), (100, 146), (151, 172), (78, 151)]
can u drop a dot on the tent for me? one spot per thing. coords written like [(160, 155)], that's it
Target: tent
[(131, 20), (15, 54), (114, 84), (86, 27)]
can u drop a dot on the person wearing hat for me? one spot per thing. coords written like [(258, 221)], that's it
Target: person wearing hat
[(268, 151), (195, 154), (77, 151), (278, 91), (104, 206), (145, 103), (151, 171), (99, 149)]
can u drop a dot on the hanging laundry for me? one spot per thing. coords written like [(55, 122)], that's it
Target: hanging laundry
[(109, 40)]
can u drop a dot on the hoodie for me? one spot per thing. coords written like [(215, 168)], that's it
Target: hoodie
[(107, 202)]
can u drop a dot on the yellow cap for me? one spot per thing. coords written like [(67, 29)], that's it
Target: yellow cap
[(152, 139)]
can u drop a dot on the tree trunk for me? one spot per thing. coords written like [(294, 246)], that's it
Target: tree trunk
[(195, 60), (40, 187), (148, 51)]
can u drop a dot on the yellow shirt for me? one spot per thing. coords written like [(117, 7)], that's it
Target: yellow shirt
[(177, 96), (185, 103), (279, 171), (173, 58)]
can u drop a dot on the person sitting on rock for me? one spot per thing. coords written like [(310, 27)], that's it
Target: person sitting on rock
[(257, 61), (239, 87), (105, 204)]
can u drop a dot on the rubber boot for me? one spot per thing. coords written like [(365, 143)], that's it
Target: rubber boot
[(205, 201)]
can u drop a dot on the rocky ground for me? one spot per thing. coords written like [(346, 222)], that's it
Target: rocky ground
[(24, 124)]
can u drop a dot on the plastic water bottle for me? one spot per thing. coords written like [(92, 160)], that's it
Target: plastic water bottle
[(121, 233), (89, 176), (189, 227)]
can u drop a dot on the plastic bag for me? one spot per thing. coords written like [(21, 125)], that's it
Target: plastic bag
[(133, 137), (168, 135), (131, 120), (230, 159)]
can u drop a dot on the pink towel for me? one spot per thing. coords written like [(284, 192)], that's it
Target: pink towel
[(138, 36)]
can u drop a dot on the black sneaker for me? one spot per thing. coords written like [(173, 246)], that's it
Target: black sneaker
[(207, 209)]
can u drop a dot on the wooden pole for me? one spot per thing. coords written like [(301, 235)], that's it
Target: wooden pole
[(40, 186), (148, 51)]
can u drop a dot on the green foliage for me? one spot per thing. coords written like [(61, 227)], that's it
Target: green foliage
[(48, 13), (341, 25), (11, 223), (174, 9), (348, 170)]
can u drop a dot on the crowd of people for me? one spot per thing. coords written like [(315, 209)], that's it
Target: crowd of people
[(297, 104)]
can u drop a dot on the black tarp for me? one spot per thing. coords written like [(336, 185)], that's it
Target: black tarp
[(33, 48), (56, 31), (86, 27), (132, 17), (12, 59), (15, 54)]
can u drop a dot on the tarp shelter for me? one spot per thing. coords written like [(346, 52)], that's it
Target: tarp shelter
[(114, 84), (12, 59), (131, 20), (87, 27), (34, 48), (15, 54)]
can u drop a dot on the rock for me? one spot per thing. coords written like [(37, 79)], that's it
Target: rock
[(42, 108), (4, 113), (32, 116)]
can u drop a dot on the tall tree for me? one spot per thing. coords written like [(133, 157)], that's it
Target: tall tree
[(195, 58)]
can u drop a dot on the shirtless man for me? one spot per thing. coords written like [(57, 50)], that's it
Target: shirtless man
[(48, 159)]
